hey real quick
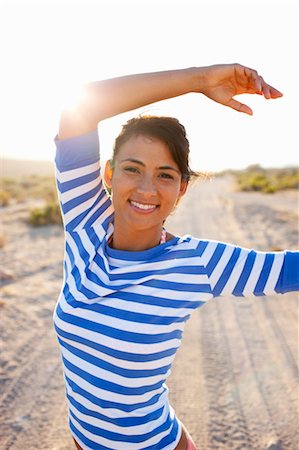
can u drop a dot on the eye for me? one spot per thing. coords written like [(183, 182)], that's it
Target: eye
[(131, 169), (166, 176)]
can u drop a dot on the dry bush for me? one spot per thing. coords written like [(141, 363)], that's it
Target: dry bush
[(5, 198), (255, 178), (46, 215), (2, 240), (28, 187)]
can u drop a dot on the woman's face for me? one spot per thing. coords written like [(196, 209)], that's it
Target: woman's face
[(146, 183)]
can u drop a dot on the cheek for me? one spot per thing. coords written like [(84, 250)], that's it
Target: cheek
[(171, 195), (120, 186)]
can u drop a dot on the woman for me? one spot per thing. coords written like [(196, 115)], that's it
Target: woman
[(129, 285)]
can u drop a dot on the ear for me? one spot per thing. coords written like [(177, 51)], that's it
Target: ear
[(108, 172), (183, 188)]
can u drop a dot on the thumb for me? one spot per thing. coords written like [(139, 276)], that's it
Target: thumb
[(240, 107)]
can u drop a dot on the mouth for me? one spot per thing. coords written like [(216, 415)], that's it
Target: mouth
[(143, 207)]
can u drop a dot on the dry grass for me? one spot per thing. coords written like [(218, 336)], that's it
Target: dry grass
[(2, 240), (32, 187), (17, 190), (256, 178), (45, 215)]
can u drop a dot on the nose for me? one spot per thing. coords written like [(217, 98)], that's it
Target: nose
[(147, 186)]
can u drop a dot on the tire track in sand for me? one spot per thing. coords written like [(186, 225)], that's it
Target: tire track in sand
[(33, 394)]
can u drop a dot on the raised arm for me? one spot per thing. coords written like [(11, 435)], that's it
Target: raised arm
[(108, 98)]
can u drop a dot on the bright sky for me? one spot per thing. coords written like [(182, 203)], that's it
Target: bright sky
[(50, 46)]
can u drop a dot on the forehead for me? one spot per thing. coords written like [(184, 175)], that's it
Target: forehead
[(149, 150), (145, 147)]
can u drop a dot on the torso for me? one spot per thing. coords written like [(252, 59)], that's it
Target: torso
[(182, 445)]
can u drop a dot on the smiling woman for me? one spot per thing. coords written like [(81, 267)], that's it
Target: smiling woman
[(151, 172), (146, 192), (129, 286)]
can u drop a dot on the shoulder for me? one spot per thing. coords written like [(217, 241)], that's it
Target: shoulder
[(191, 244), (203, 248)]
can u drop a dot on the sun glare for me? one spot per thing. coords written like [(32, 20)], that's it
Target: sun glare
[(88, 44), (70, 95)]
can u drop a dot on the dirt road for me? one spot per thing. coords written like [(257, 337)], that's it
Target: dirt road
[(234, 381)]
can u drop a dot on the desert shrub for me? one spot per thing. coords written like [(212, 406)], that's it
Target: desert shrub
[(256, 178), (30, 187), (253, 182), (13, 189), (2, 240), (290, 181), (42, 188), (45, 215), (4, 197)]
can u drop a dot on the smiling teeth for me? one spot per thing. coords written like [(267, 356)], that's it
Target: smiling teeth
[(141, 206)]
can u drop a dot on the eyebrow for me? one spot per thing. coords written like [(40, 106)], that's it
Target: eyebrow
[(142, 164)]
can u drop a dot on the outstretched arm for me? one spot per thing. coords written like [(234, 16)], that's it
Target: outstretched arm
[(108, 98), (238, 271)]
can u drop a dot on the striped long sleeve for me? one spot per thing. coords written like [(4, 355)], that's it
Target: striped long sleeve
[(243, 272), (83, 199)]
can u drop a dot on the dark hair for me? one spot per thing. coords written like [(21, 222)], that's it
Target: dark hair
[(168, 130)]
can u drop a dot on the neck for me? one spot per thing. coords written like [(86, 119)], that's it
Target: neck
[(135, 240)]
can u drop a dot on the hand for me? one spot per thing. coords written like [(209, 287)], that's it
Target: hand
[(223, 82)]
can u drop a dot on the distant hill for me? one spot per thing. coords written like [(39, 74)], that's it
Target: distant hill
[(16, 168)]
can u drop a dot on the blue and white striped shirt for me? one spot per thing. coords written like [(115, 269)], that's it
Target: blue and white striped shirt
[(120, 315)]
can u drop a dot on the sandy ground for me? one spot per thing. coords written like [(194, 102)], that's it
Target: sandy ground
[(234, 381)]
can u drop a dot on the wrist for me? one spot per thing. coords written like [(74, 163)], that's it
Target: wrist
[(199, 78)]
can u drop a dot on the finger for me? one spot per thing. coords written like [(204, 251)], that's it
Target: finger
[(240, 107), (257, 83), (266, 89), (270, 91), (254, 80), (275, 93), (259, 86)]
